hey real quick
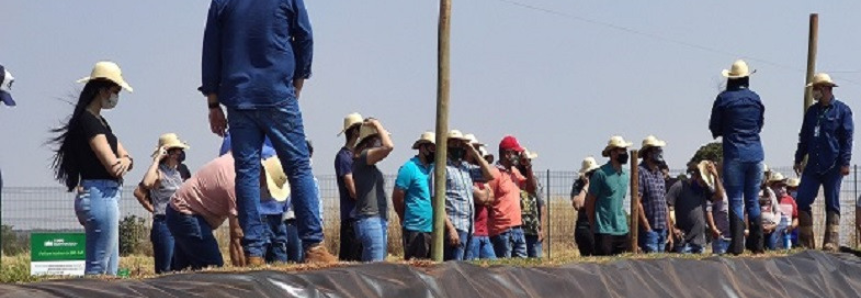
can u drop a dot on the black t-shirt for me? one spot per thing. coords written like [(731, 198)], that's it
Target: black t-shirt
[(89, 127)]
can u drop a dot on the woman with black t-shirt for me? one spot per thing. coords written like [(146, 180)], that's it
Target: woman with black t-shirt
[(90, 160)]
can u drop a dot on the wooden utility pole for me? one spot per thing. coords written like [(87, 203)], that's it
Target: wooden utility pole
[(635, 201), (812, 40), (442, 96)]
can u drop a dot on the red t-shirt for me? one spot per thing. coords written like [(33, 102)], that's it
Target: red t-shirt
[(480, 216), (505, 210), (788, 207)]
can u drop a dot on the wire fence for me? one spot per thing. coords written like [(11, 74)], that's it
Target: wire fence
[(37, 209)]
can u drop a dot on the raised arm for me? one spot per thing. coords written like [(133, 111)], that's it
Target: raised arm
[(377, 154)]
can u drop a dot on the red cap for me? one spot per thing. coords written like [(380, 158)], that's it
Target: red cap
[(510, 143)]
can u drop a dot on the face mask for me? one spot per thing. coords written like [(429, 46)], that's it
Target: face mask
[(658, 157), (817, 95), (429, 156), (622, 158), (111, 102), (456, 153), (514, 159)]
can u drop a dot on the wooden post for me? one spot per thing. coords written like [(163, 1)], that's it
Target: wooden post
[(442, 98), (812, 40), (547, 218), (635, 201)]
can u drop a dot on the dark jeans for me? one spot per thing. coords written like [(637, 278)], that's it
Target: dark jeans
[(417, 245), (534, 248), (295, 254), (456, 252), (196, 246), (480, 247), (162, 244), (509, 244), (653, 241), (742, 181), (283, 125), (275, 232), (583, 236), (610, 245), (809, 189), (350, 248)]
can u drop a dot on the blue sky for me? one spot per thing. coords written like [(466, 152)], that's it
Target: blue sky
[(562, 81)]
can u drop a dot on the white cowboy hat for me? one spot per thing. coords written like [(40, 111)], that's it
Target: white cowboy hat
[(615, 142), (169, 141), (589, 164), (276, 179), (822, 79), (457, 135), (472, 140), (652, 141), (776, 177), (738, 70), (110, 71), (483, 151), (529, 154), (351, 120), (427, 137), (793, 182), (702, 167)]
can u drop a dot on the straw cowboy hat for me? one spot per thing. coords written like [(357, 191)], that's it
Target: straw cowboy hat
[(365, 131), (457, 135), (702, 167), (276, 179), (652, 141), (169, 141), (529, 154), (427, 137), (615, 142), (793, 182), (776, 177), (472, 140), (483, 151), (589, 164), (738, 70), (109, 71), (822, 79), (351, 120)]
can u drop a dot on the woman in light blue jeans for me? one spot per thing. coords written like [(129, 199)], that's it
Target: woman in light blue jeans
[(90, 160), (372, 206)]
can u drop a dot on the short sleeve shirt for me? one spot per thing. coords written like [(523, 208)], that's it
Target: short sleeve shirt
[(505, 211), (414, 179), (343, 167), (690, 203), (89, 127), (371, 197), (609, 188), (169, 182), (459, 200)]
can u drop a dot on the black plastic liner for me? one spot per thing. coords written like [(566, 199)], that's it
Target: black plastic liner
[(807, 274)]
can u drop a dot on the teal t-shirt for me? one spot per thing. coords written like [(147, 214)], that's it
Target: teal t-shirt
[(609, 188), (413, 179)]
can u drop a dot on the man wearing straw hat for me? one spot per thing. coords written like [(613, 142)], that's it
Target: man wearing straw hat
[(583, 235), (412, 199), (350, 247), (738, 117), (788, 213), (826, 141), (654, 219), (607, 189), (689, 200), (532, 210), (480, 247)]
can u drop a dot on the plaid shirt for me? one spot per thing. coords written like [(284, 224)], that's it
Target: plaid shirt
[(459, 202), (654, 196)]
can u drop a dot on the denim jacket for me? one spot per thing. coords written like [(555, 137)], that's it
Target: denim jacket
[(738, 117), (826, 136)]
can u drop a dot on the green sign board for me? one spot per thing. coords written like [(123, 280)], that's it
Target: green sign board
[(57, 253)]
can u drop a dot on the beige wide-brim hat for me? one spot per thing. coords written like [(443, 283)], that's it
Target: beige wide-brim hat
[(456, 135), (615, 142), (483, 151), (793, 182), (702, 167), (776, 177), (822, 79), (109, 71), (472, 140), (366, 131), (427, 137), (276, 179), (739, 69), (652, 141), (169, 141), (589, 164), (529, 154), (351, 120)]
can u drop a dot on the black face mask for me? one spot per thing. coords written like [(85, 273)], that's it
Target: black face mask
[(456, 153), (657, 157), (515, 160), (622, 158), (429, 157)]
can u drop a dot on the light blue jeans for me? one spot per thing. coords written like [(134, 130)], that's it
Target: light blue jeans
[(97, 210), (372, 233), (480, 248)]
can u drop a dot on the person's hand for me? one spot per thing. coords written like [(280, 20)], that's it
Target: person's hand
[(540, 235), (453, 237), (746, 233), (217, 121), (162, 153), (715, 233), (844, 170), (671, 242), (711, 169), (120, 168), (237, 255), (677, 233), (525, 161), (798, 168)]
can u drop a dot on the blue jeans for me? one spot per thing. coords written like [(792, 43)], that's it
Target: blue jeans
[(97, 210), (774, 240), (534, 248), (456, 252), (742, 181), (295, 254), (689, 248), (276, 238), (480, 248), (809, 189), (720, 246), (653, 241), (283, 125), (509, 243), (162, 244), (196, 246), (372, 233)]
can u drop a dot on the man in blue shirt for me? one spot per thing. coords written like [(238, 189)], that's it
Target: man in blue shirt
[(350, 247), (412, 199), (256, 58), (826, 141), (738, 116)]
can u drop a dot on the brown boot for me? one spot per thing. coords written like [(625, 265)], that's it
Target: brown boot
[(805, 230), (318, 254), (831, 241), (254, 261)]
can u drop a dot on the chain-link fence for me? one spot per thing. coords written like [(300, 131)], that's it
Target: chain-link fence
[(29, 209)]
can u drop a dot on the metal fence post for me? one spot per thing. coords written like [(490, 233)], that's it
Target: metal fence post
[(855, 196), (549, 205)]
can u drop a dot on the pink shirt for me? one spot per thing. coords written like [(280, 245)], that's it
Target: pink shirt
[(211, 192), (505, 210)]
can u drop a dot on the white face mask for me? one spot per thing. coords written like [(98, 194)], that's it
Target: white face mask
[(111, 102), (817, 95)]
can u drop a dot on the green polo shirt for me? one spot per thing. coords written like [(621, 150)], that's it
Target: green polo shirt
[(609, 188)]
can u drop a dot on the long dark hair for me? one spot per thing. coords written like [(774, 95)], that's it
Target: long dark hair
[(65, 165)]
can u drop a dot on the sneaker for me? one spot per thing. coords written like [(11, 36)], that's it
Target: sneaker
[(318, 254)]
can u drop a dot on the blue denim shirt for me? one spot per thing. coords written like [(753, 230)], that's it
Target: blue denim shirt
[(252, 51), (826, 135), (738, 116)]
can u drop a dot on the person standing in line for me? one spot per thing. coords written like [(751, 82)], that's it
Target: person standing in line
[(259, 78), (411, 198), (689, 200), (91, 160), (532, 210), (607, 189), (350, 247), (480, 246), (583, 235), (654, 211), (372, 204), (504, 221), (738, 116), (826, 140)]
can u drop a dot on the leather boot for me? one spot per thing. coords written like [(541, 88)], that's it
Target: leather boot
[(318, 254), (736, 229), (831, 241), (805, 230), (255, 261), (755, 238)]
